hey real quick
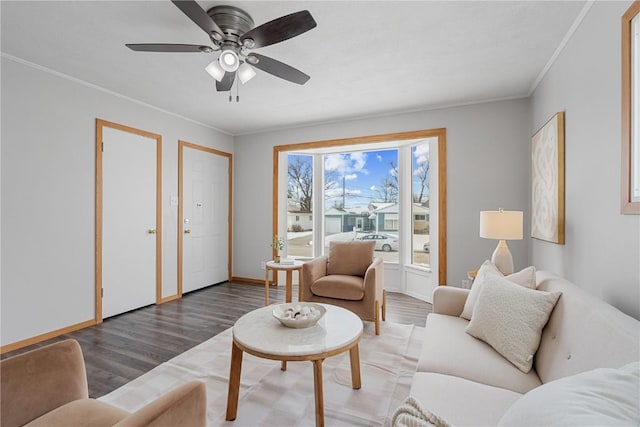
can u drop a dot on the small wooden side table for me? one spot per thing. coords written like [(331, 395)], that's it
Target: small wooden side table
[(289, 269)]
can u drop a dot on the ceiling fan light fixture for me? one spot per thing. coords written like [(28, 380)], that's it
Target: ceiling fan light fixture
[(229, 60), (246, 72), (215, 70)]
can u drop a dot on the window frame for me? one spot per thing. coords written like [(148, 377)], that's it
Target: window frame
[(365, 142)]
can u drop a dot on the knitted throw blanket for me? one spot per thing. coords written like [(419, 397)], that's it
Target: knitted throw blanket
[(410, 414)]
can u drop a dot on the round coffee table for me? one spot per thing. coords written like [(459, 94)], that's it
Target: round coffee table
[(260, 334)]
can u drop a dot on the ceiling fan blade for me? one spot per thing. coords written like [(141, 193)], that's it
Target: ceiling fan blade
[(277, 68), (226, 83), (280, 29), (164, 47), (199, 17)]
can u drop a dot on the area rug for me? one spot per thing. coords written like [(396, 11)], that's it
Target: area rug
[(271, 397)]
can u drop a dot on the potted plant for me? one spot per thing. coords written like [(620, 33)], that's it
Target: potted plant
[(278, 245)]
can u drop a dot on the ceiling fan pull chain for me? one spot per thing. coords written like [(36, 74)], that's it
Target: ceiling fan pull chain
[(237, 93)]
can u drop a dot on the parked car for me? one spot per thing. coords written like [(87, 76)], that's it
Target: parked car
[(384, 242)]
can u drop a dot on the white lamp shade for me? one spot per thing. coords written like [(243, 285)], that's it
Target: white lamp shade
[(215, 70), (229, 60), (501, 225), (246, 72)]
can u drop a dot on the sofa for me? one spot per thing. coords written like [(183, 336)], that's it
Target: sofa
[(584, 372), (48, 387)]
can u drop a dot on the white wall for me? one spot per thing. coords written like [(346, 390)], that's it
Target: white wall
[(487, 154), (48, 195), (602, 250)]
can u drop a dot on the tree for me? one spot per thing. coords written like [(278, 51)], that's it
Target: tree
[(421, 176), (300, 182), (300, 186), (388, 191)]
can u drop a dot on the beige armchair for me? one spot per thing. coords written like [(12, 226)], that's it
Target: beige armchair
[(349, 277), (48, 387)]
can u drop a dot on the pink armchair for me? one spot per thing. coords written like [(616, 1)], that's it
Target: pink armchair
[(349, 277), (48, 387)]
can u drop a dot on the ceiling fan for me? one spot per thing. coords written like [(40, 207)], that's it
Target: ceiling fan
[(232, 32)]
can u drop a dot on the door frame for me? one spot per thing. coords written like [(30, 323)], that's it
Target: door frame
[(100, 124), (181, 146)]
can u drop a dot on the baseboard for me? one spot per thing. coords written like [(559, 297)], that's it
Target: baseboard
[(46, 336), (252, 281)]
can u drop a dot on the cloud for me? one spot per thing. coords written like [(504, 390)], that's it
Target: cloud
[(359, 160), (346, 163), (420, 170), (421, 153), (379, 157), (351, 177), (372, 188), (335, 162)]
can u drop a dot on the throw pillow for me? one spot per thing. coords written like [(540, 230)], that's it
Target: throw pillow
[(601, 397), (510, 319), (350, 258), (411, 414), (525, 277)]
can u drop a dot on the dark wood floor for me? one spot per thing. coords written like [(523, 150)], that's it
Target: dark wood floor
[(126, 346)]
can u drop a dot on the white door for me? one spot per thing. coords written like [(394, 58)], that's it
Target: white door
[(128, 221), (205, 204)]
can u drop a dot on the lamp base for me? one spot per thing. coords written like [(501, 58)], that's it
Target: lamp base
[(502, 258)]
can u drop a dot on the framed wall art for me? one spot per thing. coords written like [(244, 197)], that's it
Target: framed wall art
[(547, 181), (630, 201)]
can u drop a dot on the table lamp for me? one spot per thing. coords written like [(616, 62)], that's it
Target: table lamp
[(501, 225)]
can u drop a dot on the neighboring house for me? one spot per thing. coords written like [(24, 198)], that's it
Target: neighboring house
[(376, 217), (385, 217), (303, 221), (339, 220)]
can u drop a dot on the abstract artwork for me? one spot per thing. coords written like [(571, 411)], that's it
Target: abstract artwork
[(547, 181)]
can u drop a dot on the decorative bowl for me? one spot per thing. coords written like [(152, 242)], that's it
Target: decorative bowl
[(299, 314)]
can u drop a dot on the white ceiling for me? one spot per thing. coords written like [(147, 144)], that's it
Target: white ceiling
[(364, 57)]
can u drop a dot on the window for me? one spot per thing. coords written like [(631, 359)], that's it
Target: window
[(361, 197), (299, 201), (383, 188), (420, 245)]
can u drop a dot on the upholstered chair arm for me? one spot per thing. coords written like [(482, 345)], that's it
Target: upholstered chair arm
[(185, 406), (41, 380), (449, 300), (374, 280), (311, 271)]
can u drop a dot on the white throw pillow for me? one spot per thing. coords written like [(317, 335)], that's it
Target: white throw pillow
[(601, 397), (525, 277), (510, 319)]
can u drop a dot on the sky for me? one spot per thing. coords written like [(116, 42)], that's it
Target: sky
[(363, 174)]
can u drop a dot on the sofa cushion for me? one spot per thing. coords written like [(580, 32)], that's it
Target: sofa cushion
[(601, 397), (525, 277), (583, 333), (459, 401), (510, 318), (350, 258), (449, 350), (339, 286), (84, 412)]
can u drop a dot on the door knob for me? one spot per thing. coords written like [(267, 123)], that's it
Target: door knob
[(187, 231), (151, 231)]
